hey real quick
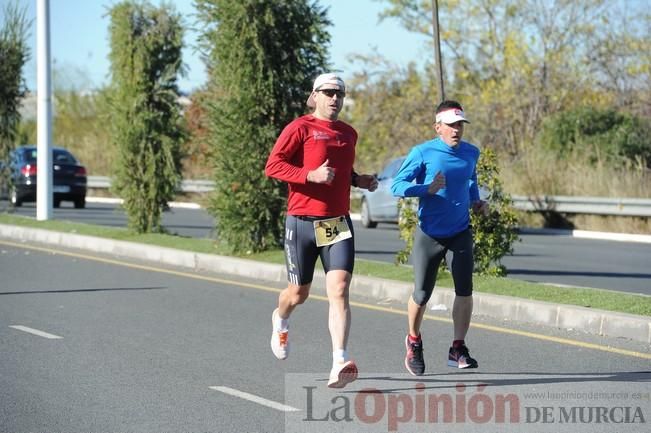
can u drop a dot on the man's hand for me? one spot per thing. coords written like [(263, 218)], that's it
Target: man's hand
[(481, 207), (322, 174), (437, 184), (367, 181)]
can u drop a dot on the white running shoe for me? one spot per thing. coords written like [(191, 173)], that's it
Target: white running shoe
[(279, 339), (342, 374)]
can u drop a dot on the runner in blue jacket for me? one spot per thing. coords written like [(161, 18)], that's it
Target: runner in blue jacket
[(444, 170)]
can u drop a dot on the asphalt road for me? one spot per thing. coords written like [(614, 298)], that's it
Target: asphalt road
[(145, 349), (548, 258)]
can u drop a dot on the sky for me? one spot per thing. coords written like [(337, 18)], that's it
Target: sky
[(80, 44)]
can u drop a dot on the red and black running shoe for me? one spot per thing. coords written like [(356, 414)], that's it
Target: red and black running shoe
[(414, 361), (459, 357)]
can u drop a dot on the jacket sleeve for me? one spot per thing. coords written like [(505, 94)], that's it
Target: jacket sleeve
[(473, 186), (412, 168), (279, 165)]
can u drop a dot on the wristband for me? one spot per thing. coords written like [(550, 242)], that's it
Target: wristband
[(353, 179)]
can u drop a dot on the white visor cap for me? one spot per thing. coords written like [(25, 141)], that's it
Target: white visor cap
[(453, 115)]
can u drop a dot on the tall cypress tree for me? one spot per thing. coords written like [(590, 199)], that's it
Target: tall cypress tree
[(14, 53), (146, 122), (262, 57)]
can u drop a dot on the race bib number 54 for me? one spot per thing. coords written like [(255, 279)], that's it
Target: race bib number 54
[(331, 231)]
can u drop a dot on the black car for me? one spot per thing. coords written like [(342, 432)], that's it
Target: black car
[(68, 177)]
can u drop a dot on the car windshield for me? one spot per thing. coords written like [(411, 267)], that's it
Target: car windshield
[(63, 157), (59, 157), (391, 169), (30, 155)]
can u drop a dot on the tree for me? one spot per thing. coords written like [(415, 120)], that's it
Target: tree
[(496, 233), (80, 120), (146, 122), (262, 58), (517, 61), (392, 108), (80, 125), (14, 54), (196, 149), (614, 135)]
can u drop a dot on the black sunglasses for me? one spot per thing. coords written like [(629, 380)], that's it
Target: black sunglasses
[(332, 92)]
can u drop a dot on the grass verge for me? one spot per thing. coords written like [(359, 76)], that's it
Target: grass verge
[(591, 298)]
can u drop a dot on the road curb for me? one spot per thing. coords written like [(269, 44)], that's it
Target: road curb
[(597, 322)]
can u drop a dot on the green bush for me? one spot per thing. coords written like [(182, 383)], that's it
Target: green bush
[(147, 127), (262, 58), (495, 234), (604, 133), (14, 53)]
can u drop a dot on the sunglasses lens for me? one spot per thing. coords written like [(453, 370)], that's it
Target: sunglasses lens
[(332, 92)]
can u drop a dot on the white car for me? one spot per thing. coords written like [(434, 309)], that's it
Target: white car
[(380, 205)]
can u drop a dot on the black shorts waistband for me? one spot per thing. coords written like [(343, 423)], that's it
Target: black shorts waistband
[(316, 218)]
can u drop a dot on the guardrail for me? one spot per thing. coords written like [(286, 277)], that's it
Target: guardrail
[(104, 182), (637, 207)]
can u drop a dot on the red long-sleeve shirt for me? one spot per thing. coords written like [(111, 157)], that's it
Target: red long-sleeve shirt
[(303, 146)]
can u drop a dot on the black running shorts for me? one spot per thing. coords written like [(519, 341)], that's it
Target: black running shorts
[(427, 255), (301, 251)]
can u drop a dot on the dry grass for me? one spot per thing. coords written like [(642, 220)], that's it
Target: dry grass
[(612, 224), (582, 174), (640, 226), (540, 173)]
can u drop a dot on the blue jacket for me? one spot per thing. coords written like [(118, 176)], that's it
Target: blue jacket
[(447, 212)]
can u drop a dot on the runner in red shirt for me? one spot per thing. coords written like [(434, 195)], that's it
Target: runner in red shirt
[(314, 154)]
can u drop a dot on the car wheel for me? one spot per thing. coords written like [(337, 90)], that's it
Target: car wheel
[(80, 202), (366, 216), (15, 200)]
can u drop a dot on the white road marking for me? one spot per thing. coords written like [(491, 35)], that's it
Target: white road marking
[(254, 398), (36, 332)]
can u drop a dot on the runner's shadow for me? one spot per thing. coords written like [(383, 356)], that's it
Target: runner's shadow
[(441, 382), (36, 292)]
